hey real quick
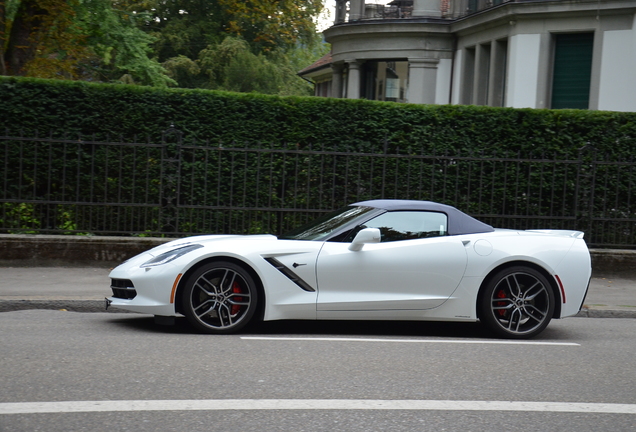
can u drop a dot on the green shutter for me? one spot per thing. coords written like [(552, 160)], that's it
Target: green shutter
[(572, 70)]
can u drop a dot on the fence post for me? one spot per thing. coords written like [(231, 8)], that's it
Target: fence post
[(584, 198), (171, 140)]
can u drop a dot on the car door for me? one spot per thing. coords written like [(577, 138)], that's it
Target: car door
[(416, 266)]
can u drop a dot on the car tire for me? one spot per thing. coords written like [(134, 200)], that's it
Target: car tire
[(517, 302), (219, 298)]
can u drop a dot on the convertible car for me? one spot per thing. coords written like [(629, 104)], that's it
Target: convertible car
[(372, 260)]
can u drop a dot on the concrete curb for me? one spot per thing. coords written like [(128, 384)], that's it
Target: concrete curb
[(98, 306), (36, 250), (66, 305), (605, 313)]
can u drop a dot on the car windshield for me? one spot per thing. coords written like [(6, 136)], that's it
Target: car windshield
[(322, 227)]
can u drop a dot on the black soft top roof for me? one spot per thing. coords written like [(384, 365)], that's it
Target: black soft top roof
[(458, 222)]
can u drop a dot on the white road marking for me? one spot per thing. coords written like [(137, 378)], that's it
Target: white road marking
[(309, 404), (448, 341)]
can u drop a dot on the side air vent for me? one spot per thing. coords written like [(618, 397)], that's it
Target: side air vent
[(290, 274)]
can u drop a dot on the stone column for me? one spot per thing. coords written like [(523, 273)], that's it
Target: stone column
[(422, 80), (356, 10), (341, 11), (427, 8), (336, 80), (353, 79), (497, 76)]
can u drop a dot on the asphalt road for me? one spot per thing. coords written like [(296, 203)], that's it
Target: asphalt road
[(578, 375)]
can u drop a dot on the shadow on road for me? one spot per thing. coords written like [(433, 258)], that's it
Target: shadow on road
[(337, 329)]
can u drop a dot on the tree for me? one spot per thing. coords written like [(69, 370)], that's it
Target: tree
[(185, 72), (185, 27), (190, 43), (3, 36), (231, 65), (120, 48), (248, 72), (32, 27), (76, 39), (180, 27), (256, 36), (268, 24)]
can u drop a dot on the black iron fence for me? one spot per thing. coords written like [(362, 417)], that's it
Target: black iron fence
[(176, 187)]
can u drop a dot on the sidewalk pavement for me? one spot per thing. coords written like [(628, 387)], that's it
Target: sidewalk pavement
[(83, 290)]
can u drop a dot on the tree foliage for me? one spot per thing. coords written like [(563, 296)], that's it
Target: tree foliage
[(122, 48), (256, 37), (249, 46), (269, 24), (39, 34), (180, 27), (76, 39), (185, 27)]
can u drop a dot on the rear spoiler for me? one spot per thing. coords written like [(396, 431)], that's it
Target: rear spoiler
[(563, 233)]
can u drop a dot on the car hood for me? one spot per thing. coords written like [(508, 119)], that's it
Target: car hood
[(206, 240)]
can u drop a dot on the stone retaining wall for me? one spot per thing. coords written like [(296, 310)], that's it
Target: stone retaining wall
[(25, 250)]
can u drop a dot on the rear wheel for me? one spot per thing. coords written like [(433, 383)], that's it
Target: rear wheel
[(518, 302), (219, 297)]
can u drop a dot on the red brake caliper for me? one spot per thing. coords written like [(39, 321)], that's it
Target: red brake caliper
[(501, 294), (236, 289)]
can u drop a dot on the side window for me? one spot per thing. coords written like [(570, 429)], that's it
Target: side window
[(408, 225)]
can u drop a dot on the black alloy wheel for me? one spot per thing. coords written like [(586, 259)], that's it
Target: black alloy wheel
[(518, 302), (219, 298)]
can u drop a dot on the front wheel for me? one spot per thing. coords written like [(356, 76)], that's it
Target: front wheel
[(220, 297), (518, 302)]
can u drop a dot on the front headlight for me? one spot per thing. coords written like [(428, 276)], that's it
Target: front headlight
[(171, 255)]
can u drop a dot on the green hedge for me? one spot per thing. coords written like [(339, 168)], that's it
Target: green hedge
[(250, 163), (44, 106)]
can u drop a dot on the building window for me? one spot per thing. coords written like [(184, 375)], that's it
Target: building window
[(385, 80), (572, 70)]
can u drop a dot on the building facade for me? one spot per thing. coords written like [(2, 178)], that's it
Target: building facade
[(515, 53)]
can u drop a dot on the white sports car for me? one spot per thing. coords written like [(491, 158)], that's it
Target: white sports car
[(372, 260)]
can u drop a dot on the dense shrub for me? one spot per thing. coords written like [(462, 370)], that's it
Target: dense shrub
[(127, 160), (31, 106)]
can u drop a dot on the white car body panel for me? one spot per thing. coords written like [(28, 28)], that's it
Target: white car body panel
[(346, 283), (436, 278), (284, 299), (529, 246), (406, 275)]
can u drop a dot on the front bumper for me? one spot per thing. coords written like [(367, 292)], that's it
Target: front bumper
[(143, 290), (152, 309)]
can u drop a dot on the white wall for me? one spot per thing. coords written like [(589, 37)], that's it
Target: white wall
[(618, 71), (523, 71)]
